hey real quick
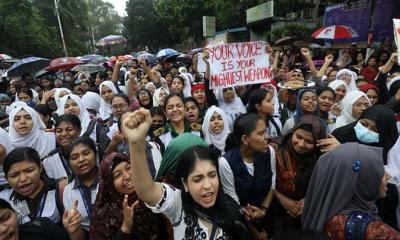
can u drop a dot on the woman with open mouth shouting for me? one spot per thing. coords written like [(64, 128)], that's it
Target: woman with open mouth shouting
[(82, 189), (198, 208), (32, 194), (174, 109)]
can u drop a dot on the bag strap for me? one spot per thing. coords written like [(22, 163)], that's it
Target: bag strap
[(213, 231), (90, 127), (60, 197)]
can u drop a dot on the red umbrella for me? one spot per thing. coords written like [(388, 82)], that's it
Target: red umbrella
[(64, 63), (335, 32)]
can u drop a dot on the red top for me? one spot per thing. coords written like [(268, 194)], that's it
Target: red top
[(375, 229)]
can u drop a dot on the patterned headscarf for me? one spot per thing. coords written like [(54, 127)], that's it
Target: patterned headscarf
[(107, 216)]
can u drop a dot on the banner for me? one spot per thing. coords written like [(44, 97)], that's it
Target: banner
[(236, 64), (396, 30)]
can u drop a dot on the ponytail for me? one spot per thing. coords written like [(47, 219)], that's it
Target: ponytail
[(243, 125)]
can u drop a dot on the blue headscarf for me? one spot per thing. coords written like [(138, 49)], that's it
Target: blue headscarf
[(299, 111)]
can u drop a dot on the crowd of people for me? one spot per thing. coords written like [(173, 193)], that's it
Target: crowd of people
[(149, 151)]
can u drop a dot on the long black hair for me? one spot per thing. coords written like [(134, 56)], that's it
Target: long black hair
[(21, 154), (81, 140), (226, 212), (243, 125), (256, 97)]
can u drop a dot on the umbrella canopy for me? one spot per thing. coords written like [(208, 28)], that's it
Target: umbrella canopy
[(139, 53), (27, 65), (335, 32), (196, 51), (287, 40), (168, 52), (5, 57), (64, 63), (181, 57), (111, 40), (128, 57), (89, 68), (90, 57), (151, 58)]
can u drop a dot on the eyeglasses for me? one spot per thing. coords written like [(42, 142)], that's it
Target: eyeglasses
[(143, 94), (119, 107)]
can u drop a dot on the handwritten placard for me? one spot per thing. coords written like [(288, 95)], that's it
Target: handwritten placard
[(235, 64), (396, 30)]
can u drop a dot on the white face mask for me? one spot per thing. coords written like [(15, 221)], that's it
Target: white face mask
[(365, 135)]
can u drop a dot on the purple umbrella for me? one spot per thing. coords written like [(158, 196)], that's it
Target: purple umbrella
[(111, 40)]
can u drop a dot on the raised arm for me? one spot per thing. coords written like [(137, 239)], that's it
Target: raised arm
[(147, 70), (115, 74), (328, 61), (135, 127), (307, 56)]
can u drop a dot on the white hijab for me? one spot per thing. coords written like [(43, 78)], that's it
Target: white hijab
[(105, 110), (38, 139), (188, 86), (232, 109), (352, 86), (83, 113), (347, 112), (218, 140), (91, 100), (57, 94), (156, 96), (337, 83)]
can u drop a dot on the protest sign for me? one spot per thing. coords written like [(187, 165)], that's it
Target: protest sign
[(201, 65), (396, 28), (235, 64)]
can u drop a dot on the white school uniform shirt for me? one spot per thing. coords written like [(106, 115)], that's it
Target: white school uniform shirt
[(170, 205), (21, 207), (54, 168), (5, 142), (166, 138), (228, 180), (72, 193)]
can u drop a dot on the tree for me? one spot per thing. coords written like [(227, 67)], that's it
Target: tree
[(25, 32), (103, 19), (184, 17), (143, 27)]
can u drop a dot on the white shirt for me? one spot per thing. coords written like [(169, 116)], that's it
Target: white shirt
[(228, 180), (170, 205), (48, 210), (166, 138), (72, 193)]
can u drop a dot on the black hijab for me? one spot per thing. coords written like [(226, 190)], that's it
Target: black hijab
[(385, 121)]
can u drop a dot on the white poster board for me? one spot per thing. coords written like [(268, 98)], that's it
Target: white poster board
[(201, 65), (235, 64)]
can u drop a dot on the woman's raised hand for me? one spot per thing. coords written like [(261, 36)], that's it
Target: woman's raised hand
[(129, 213), (135, 126), (72, 219)]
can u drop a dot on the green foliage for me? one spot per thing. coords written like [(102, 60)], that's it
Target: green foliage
[(30, 27), (104, 19), (292, 29), (143, 27)]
